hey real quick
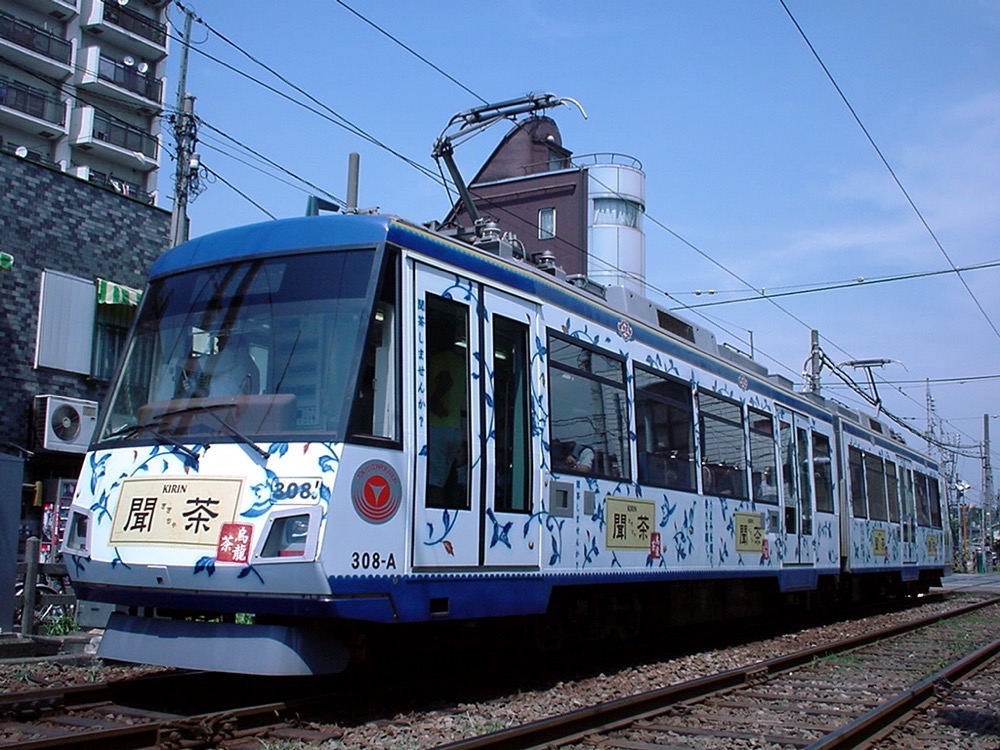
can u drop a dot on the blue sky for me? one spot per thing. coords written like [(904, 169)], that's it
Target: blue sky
[(750, 154)]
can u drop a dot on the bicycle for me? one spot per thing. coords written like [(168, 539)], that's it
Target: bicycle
[(50, 606)]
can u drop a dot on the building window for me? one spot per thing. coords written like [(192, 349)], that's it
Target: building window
[(79, 330), (546, 223), (617, 211), (111, 324), (589, 410)]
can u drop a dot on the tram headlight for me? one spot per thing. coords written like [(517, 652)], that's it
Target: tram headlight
[(76, 533), (288, 537)]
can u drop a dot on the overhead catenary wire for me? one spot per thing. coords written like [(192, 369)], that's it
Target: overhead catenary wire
[(358, 131), (891, 171), (844, 285), (324, 110)]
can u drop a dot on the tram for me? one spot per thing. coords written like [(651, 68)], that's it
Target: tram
[(332, 427)]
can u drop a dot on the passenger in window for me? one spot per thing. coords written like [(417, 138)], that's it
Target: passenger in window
[(581, 458), (767, 489)]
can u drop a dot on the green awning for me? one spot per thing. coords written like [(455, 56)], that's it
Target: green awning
[(110, 293), (6, 261)]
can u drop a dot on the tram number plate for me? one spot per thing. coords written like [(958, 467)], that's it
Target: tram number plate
[(296, 488), (175, 511), (373, 561)]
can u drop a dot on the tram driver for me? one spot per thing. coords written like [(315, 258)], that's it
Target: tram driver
[(229, 371)]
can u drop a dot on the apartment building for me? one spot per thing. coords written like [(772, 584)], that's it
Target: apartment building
[(82, 92), (82, 86)]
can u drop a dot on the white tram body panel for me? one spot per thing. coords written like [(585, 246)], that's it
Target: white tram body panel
[(592, 448)]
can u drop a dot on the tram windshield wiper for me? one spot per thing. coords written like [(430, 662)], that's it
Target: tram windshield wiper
[(210, 410), (151, 427)]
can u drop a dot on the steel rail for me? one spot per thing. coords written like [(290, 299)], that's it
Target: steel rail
[(572, 726), (880, 718)]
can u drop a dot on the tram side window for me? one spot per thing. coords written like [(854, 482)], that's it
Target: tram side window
[(511, 403), (823, 473), (892, 491), (923, 504), (875, 481), (588, 410), (447, 325), (909, 517), (859, 504), (376, 411), (723, 450), (762, 461), (934, 497), (805, 479), (664, 426)]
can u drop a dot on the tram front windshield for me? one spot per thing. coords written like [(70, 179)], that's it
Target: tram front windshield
[(266, 347)]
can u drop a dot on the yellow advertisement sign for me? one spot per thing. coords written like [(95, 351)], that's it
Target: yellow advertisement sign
[(749, 531), (630, 523), (175, 511), (880, 544), (932, 547)]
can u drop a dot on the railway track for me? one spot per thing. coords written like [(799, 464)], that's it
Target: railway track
[(839, 695), (188, 710), (177, 710)]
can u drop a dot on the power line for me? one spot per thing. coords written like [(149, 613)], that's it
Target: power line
[(411, 51), (272, 163), (328, 113), (958, 380), (236, 190), (846, 285), (344, 123), (889, 168)]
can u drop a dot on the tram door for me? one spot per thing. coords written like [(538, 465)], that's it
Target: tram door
[(797, 487), (476, 471)]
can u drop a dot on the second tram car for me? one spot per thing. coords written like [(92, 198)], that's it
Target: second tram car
[(332, 423)]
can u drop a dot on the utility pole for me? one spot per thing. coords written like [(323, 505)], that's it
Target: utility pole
[(815, 363), (987, 497), (186, 135)]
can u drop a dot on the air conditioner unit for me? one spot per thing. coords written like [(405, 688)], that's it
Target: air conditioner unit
[(64, 424)]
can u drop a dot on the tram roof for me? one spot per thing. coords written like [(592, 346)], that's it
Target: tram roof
[(273, 237)]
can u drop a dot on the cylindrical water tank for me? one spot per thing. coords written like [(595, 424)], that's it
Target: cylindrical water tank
[(616, 243)]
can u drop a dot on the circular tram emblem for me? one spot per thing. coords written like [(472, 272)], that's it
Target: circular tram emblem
[(376, 491)]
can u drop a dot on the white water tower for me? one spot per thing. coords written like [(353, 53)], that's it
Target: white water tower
[(616, 201)]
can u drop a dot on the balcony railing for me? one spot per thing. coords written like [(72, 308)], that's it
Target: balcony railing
[(31, 101), (123, 187), (124, 135), (129, 78), (34, 38), (28, 154), (128, 19)]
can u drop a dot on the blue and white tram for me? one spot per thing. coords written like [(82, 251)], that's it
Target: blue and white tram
[(332, 423)]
